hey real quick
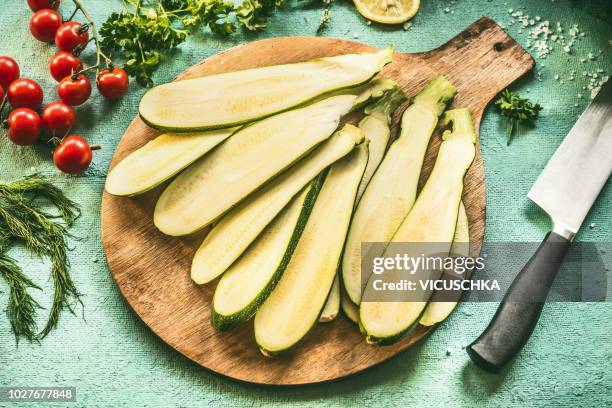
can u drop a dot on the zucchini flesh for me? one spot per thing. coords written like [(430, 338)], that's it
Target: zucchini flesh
[(160, 159), (376, 127), (297, 301), (391, 193), (350, 309), (249, 282), (243, 163), (332, 304), (436, 312), (241, 226), (432, 219), (236, 98)]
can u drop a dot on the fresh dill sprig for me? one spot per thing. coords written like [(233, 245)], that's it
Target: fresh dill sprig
[(22, 307), (517, 110), (23, 219)]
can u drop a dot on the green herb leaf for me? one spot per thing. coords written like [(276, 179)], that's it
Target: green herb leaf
[(147, 29), (517, 110)]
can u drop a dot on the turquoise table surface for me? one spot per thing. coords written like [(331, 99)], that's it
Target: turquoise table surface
[(114, 360)]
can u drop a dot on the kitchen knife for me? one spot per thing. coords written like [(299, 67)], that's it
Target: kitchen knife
[(565, 190)]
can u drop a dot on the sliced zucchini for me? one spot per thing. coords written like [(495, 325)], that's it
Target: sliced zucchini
[(249, 281), (296, 303), (238, 228), (432, 219), (376, 127), (437, 311), (236, 98), (350, 309), (245, 162), (160, 159), (332, 304), (392, 191)]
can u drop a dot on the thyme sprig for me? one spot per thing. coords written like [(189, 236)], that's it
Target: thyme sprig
[(517, 110), (24, 220)]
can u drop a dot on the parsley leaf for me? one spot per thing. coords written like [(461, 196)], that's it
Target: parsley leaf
[(147, 29), (517, 110)]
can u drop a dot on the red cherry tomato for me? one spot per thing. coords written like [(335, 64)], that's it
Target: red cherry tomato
[(44, 24), (64, 64), (112, 85), (1, 94), (58, 118), (74, 91), (23, 126), (68, 36), (25, 93), (36, 5), (9, 71), (73, 155)]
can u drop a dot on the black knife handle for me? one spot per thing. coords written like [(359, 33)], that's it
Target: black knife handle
[(520, 308)]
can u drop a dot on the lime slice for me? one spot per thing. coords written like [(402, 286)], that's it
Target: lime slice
[(388, 11)]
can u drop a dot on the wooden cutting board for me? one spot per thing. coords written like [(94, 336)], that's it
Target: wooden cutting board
[(152, 270)]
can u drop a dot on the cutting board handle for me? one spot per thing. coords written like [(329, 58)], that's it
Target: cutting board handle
[(485, 48)]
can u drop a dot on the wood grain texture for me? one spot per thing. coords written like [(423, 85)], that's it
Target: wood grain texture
[(152, 270)]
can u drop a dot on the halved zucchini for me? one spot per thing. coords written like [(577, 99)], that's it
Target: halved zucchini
[(432, 220), (239, 227), (243, 163), (332, 304), (376, 127), (437, 311), (249, 281), (236, 98), (297, 301), (392, 191), (160, 159), (350, 309)]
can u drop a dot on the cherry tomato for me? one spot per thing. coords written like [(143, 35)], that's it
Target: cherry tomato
[(25, 93), (9, 71), (64, 64), (74, 91), (1, 94), (68, 36), (112, 85), (44, 24), (23, 126), (73, 155), (36, 5), (58, 118)]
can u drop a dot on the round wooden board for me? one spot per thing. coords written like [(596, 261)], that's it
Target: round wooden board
[(152, 270)]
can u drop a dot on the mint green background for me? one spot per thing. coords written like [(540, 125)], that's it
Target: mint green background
[(113, 359)]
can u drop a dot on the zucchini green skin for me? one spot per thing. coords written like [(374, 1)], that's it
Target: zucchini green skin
[(228, 322), (385, 57)]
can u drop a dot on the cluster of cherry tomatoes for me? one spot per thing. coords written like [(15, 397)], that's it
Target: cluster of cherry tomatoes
[(25, 126)]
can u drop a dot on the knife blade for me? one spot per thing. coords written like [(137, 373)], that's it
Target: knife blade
[(566, 189), (576, 173)]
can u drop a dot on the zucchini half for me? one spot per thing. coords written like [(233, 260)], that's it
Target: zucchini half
[(376, 126), (390, 194), (160, 159), (350, 309), (436, 312), (238, 228), (236, 98), (332, 304), (296, 303), (432, 219), (249, 281), (243, 163)]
